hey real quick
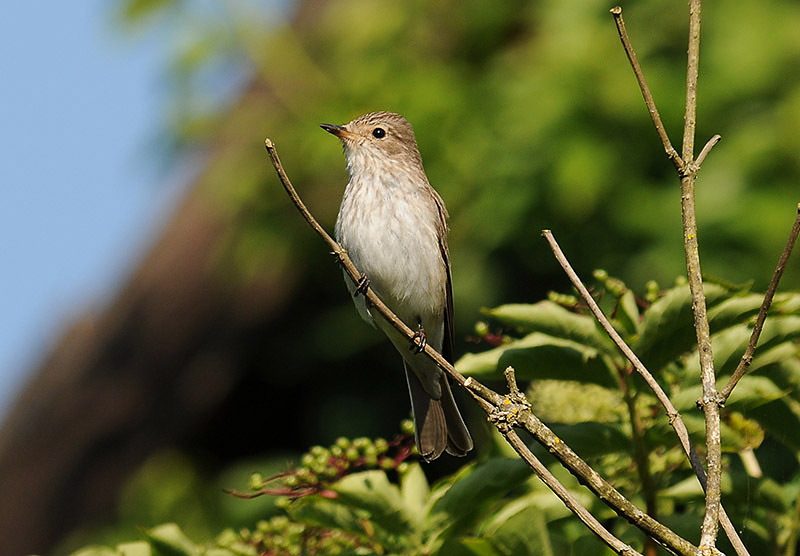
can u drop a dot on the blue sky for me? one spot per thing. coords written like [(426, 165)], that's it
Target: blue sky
[(80, 194)]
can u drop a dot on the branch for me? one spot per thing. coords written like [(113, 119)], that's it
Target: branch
[(710, 402), (648, 96), (692, 72), (747, 358), (507, 411)]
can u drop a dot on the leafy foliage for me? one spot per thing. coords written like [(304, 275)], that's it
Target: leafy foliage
[(759, 422), (527, 117), (368, 497)]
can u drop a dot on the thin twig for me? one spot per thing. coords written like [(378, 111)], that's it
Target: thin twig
[(692, 73), (494, 403), (747, 358), (640, 452), (707, 149), (566, 496), (675, 419), (648, 96)]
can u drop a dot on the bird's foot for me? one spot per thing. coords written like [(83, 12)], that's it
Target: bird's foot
[(361, 286), (418, 340)]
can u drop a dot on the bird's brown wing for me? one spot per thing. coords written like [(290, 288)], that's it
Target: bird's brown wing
[(459, 441), (448, 342)]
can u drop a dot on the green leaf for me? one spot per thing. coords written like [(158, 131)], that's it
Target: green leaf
[(100, 551), (666, 331), (372, 492), (483, 363), (415, 491), (519, 528), (785, 303), (781, 419), (461, 501), (781, 365), (593, 439), (323, 512), (734, 437), (556, 321), (779, 329), (139, 548), (752, 391), (628, 313), (169, 540), (735, 310), (468, 546), (538, 356)]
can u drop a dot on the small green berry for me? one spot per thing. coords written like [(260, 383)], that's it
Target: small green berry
[(343, 442), (256, 481), (387, 464)]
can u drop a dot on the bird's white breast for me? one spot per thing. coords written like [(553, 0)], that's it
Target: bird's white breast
[(388, 225)]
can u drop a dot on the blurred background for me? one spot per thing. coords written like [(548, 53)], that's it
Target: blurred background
[(169, 322)]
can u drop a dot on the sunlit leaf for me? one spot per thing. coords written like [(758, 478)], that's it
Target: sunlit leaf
[(372, 492), (461, 500), (170, 540), (593, 439), (628, 313), (666, 331), (554, 320), (519, 529), (415, 490)]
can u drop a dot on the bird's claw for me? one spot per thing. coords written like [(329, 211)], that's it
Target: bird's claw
[(361, 286), (418, 340)]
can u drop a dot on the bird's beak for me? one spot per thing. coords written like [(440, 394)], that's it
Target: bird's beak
[(337, 130)]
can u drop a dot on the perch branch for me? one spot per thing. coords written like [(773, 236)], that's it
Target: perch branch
[(747, 358), (505, 411)]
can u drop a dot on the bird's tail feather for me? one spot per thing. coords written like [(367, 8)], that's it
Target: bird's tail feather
[(438, 423)]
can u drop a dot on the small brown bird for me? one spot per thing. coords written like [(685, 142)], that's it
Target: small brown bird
[(393, 225)]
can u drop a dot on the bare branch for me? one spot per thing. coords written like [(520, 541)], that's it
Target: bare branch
[(707, 149), (505, 411), (710, 402), (692, 72), (747, 358), (648, 96)]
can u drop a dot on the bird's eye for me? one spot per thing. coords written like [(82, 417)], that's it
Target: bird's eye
[(379, 133)]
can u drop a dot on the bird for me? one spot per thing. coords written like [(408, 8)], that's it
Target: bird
[(393, 225)]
